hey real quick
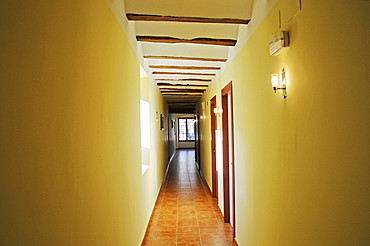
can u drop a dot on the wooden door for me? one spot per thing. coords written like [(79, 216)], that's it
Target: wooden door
[(228, 155), (213, 148)]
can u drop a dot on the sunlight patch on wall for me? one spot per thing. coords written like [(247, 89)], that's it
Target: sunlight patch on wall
[(145, 135)]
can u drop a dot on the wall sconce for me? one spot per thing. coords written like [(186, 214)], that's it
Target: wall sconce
[(217, 111), (279, 86)]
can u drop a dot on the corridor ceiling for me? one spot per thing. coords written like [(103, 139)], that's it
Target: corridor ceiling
[(186, 43)]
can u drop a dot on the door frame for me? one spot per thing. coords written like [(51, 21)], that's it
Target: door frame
[(197, 139), (213, 147), (225, 92)]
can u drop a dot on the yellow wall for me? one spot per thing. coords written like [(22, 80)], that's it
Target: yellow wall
[(302, 164), (205, 140), (172, 136), (159, 138), (70, 171)]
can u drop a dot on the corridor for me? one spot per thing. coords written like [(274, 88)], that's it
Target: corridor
[(185, 213)]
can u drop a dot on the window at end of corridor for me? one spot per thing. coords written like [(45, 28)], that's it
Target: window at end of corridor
[(186, 129)]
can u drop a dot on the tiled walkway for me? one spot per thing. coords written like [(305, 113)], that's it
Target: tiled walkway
[(185, 213)]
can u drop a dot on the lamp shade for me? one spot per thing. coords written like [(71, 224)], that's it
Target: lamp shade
[(274, 79)]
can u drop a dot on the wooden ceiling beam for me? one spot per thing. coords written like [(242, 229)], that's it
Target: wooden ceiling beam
[(181, 98), (148, 17), (197, 74), (181, 90), (178, 106), (195, 80), (166, 89), (172, 40), (187, 110), (178, 92), (181, 103), (180, 85), (163, 89), (186, 58), (184, 67), (177, 95)]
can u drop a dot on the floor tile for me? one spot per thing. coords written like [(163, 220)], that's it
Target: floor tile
[(185, 213), (188, 229)]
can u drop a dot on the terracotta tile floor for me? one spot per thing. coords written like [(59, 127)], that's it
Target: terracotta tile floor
[(185, 213)]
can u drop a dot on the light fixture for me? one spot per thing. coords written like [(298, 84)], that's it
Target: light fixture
[(217, 111), (278, 43), (276, 85)]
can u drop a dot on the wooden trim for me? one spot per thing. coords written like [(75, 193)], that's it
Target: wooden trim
[(184, 67), (197, 142), (227, 90), (213, 148), (172, 40), (148, 17), (198, 74), (225, 161), (186, 58), (235, 242)]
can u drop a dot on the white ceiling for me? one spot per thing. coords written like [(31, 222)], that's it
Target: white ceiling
[(240, 9), (183, 98)]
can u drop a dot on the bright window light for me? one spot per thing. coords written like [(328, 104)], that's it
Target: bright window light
[(145, 124), (186, 129)]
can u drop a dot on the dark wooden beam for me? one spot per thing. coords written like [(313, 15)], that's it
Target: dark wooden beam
[(174, 92), (187, 95), (182, 96), (184, 67), (166, 89), (188, 99), (192, 102), (179, 97), (181, 90), (196, 80), (195, 100), (198, 74), (172, 40), (181, 103), (181, 85), (147, 17), (186, 58), (176, 110)]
